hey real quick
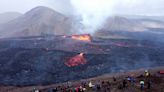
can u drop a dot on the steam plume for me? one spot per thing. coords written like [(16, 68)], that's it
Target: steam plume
[(95, 12)]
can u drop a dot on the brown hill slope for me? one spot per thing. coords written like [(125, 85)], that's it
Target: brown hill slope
[(38, 21)]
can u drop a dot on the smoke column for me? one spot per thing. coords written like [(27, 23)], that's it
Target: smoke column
[(92, 12), (95, 12)]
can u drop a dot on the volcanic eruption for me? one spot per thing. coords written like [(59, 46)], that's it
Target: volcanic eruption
[(76, 60), (82, 37)]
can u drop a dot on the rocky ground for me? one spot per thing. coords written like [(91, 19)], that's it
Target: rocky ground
[(39, 60), (157, 83)]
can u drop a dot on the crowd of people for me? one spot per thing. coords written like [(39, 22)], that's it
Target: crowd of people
[(142, 82)]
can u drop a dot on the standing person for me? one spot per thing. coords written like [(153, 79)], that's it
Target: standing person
[(142, 84), (114, 79), (77, 89), (98, 85), (147, 74), (90, 84), (149, 84), (35, 90), (133, 81), (124, 83), (129, 79), (103, 86), (56, 89)]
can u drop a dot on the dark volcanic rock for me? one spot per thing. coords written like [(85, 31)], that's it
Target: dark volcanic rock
[(37, 65)]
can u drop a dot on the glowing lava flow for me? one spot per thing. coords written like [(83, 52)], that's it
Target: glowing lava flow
[(84, 37), (76, 60)]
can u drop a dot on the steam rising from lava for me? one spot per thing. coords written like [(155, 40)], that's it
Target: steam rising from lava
[(95, 12)]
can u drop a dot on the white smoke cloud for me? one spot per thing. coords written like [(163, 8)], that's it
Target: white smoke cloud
[(95, 12)]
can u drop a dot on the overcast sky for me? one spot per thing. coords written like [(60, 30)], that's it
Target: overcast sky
[(137, 7)]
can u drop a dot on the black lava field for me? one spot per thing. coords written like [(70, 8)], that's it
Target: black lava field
[(40, 60)]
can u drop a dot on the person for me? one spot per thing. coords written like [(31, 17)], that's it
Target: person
[(56, 90), (120, 86), (69, 84), (147, 73), (90, 84), (114, 79), (124, 83), (35, 90), (81, 89), (73, 90), (52, 90), (77, 89), (129, 79), (133, 81), (142, 84), (104, 86), (98, 87), (149, 84)]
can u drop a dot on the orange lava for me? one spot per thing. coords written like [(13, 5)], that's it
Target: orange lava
[(83, 37), (76, 60)]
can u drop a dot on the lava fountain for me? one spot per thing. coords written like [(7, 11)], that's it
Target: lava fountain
[(83, 37), (76, 60)]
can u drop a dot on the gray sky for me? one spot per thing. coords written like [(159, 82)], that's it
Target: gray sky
[(137, 7)]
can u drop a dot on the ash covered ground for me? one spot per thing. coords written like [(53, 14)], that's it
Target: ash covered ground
[(41, 60)]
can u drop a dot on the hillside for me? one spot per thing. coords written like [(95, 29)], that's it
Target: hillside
[(38, 21), (140, 28), (8, 16)]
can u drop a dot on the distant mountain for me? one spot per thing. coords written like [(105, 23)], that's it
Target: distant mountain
[(151, 23), (159, 18), (133, 25), (8, 16), (122, 27), (45, 21), (38, 21), (120, 23)]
